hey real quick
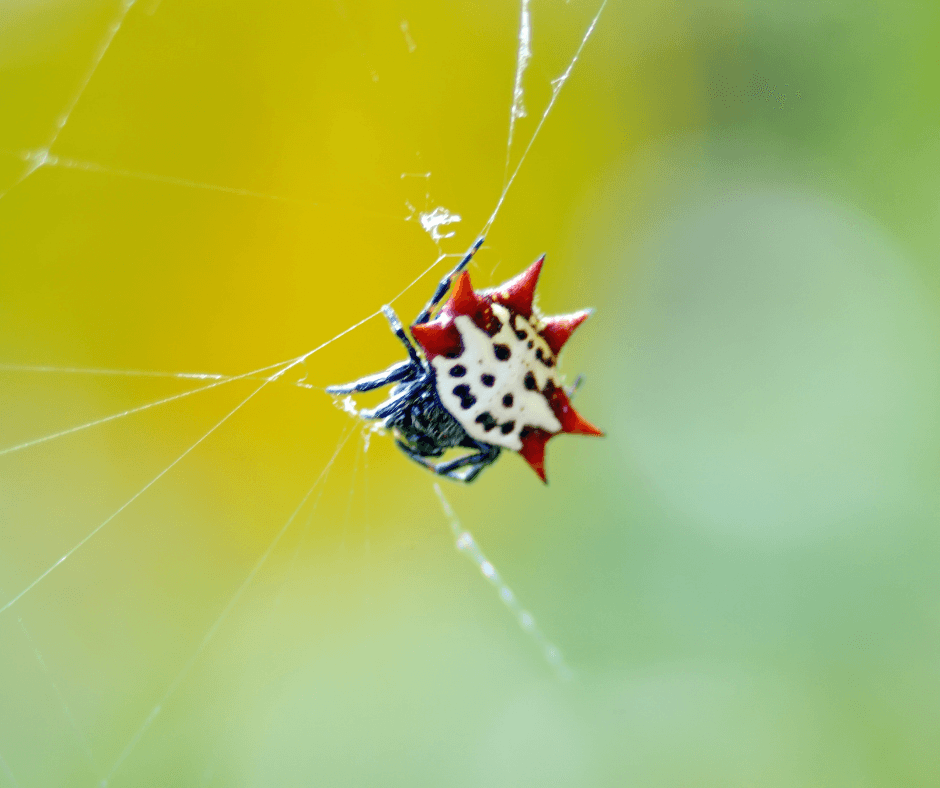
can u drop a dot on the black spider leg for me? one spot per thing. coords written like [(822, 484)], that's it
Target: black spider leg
[(485, 455), (402, 371), (402, 336), (444, 285), (394, 405)]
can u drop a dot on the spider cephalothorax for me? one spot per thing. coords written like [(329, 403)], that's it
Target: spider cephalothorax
[(488, 380)]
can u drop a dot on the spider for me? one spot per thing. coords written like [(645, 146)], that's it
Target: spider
[(486, 380)]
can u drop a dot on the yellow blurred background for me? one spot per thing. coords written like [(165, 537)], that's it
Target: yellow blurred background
[(742, 575)]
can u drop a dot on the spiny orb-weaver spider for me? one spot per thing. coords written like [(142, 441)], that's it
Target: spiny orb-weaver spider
[(487, 379)]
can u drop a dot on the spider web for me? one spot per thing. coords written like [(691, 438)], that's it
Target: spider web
[(293, 373)]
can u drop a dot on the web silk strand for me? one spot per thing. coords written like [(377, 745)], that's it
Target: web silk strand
[(103, 48), (557, 85), (62, 162), (467, 545), (307, 523), (130, 411), (91, 534), (143, 373), (42, 157), (118, 373), (216, 625), (523, 55)]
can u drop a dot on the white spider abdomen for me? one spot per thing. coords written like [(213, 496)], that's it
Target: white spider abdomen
[(494, 387)]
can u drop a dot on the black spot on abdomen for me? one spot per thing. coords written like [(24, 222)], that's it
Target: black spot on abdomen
[(529, 381), (507, 401), (488, 380), (508, 427), (502, 352), (458, 371), (467, 400), (487, 420)]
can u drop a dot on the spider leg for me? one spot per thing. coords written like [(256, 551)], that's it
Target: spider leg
[(444, 285), (477, 462), (417, 456), (485, 456), (395, 373), (474, 472), (392, 406), (400, 333)]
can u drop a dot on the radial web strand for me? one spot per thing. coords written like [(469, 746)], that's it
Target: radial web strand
[(97, 529), (138, 409), (214, 628), (467, 545), (42, 156), (523, 55), (557, 85)]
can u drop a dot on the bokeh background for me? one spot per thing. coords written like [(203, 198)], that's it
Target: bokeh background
[(742, 575)]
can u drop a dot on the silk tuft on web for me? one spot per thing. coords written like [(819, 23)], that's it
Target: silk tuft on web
[(28, 628)]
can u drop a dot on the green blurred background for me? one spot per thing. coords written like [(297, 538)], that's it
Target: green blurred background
[(742, 575)]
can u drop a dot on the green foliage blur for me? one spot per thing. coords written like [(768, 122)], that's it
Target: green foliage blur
[(742, 575)]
